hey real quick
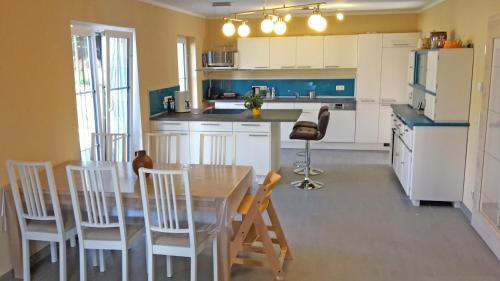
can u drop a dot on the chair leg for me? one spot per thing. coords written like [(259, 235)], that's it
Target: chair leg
[(94, 257), (125, 264), (26, 259), (62, 260), (278, 229), (215, 259), (150, 261), (53, 252), (102, 264), (72, 241), (169, 266), (83, 262), (193, 267), (272, 259)]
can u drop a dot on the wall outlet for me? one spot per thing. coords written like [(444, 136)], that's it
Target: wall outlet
[(340, 88)]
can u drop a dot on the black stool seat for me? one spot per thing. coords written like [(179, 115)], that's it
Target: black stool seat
[(304, 133)]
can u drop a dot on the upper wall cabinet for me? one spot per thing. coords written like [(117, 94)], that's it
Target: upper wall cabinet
[(401, 40), (253, 53), (309, 52), (369, 67), (282, 52), (341, 51)]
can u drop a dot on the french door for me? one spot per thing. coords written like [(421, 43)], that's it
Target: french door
[(103, 84), (486, 212)]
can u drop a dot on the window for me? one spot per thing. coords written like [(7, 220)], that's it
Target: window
[(103, 83), (182, 63)]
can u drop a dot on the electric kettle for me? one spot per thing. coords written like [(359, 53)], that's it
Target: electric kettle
[(182, 101)]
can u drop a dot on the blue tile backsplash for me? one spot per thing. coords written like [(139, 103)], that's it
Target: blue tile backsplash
[(323, 87), (156, 99)]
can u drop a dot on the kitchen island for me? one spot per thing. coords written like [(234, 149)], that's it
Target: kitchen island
[(253, 141)]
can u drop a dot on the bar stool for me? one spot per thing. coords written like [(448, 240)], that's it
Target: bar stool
[(310, 134), (301, 164)]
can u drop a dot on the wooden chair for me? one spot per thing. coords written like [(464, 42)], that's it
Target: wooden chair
[(109, 147), (164, 148), (214, 149), (97, 228), (37, 221), (252, 229), (165, 233)]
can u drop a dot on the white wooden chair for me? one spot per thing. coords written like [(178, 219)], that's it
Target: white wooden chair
[(97, 228), (214, 149), (165, 233), (164, 148), (109, 147), (38, 220)]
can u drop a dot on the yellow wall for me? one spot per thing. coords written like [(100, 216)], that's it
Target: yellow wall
[(352, 24), (466, 20), (37, 102)]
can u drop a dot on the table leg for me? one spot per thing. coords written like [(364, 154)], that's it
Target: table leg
[(14, 236)]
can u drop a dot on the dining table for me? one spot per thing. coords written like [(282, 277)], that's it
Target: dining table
[(215, 189)]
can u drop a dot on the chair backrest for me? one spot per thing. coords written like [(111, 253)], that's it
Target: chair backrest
[(109, 147), (100, 189), (165, 207), (322, 109), (270, 182), (323, 124), (214, 149), (164, 148), (30, 178)]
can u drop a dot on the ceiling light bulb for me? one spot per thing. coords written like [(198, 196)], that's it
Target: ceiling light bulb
[(280, 27), (313, 21), (321, 24), (228, 29), (267, 25), (288, 17), (243, 30), (340, 16)]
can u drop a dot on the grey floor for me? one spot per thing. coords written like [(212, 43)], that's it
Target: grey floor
[(359, 227)]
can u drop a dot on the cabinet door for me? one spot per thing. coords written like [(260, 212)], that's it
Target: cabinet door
[(401, 39), (396, 156), (406, 166), (195, 147), (254, 149), (309, 52), (430, 106), (341, 51), (385, 124), (253, 53), (367, 118), (432, 70), (411, 67), (369, 67), (341, 126), (309, 111), (283, 52), (394, 75)]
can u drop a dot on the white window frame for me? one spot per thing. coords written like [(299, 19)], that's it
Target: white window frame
[(182, 40)]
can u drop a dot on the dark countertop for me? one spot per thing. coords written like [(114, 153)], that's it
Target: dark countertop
[(302, 99), (413, 118), (268, 115)]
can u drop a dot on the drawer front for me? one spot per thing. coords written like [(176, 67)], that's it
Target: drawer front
[(252, 127), (229, 105), (208, 126), (169, 126), (408, 137)]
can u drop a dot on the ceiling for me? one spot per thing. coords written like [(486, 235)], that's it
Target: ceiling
[(204, 7)]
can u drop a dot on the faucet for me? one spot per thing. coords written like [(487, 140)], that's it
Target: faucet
[(297, 94)]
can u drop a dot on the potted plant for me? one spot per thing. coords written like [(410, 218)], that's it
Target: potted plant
[(254, 103)]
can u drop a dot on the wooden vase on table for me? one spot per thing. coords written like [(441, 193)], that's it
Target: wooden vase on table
[(141, 160)]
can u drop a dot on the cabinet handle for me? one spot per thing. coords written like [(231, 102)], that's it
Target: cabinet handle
[(304, 66), (306, 111), (288, 66), (250, 125), (238, 104), (332, 66), (367, 100), (400, 44), (210, 124), (261, 67), (175, 124), (258, 135)]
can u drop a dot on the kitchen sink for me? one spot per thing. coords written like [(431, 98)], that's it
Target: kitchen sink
[(223, 111)]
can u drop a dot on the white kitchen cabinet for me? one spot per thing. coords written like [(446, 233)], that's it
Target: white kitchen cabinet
[(411, 67), (309, 52), (341, 51), (341, 126), (367, 122), (397, 156), (394, 77), (180, 128), (309, 111), (283, 52), (195, 146), (406, 168), (432, 71), (384, 124), (430, 106), (254, 149), (396, 40), (230, 105), (369, 67), (253, 53)]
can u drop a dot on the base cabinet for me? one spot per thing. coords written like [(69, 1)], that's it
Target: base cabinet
[(341, 126), (367, 122), (251, 148)]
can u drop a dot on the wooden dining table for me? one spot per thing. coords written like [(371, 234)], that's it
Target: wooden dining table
[(218, 189)]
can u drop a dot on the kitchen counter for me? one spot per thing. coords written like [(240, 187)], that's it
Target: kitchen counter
[(268, 115), (413, 118), (299, 100)]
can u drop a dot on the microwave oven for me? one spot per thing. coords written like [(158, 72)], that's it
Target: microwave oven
[(220, 59)]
